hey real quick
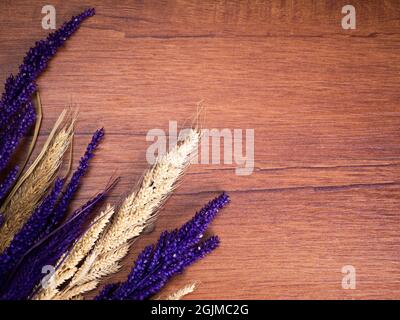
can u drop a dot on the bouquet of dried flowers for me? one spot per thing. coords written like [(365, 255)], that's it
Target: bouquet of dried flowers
[(36, 229)]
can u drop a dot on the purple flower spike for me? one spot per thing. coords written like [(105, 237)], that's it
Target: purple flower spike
[(173, 252), (31, 232), (25, 277), (73, 185), (7, 183), (53, 239), (13, 137), (15, 105), (35, 61)]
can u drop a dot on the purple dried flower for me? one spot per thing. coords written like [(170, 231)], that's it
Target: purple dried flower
[(35, 62), (7, 183), (73, 185), (174, 252), (1, 219), (22, 99), (31, 233), (12, 137), (107, 291), (54, 240), (15, 105), (28, 273)]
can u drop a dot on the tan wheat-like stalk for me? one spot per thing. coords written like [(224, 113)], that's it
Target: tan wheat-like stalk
[(33, 185), (137, 212), (68, 264), (179, 294)]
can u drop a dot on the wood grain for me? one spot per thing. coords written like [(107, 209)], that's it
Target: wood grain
[(324, 104)]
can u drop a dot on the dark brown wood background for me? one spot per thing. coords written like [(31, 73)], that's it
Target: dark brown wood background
[(324, 103)]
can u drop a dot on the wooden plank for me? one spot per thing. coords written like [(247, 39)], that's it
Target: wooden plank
[(323, 102)]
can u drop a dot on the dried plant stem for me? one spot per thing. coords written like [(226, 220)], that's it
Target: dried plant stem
[(137, 212), (35, 182)]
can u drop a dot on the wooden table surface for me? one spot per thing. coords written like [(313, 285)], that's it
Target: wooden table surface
[(324, 104)]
